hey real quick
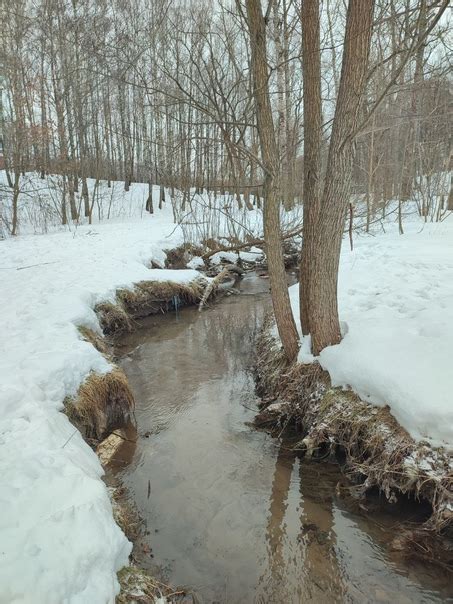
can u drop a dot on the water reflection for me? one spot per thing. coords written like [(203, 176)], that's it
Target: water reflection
[(300, 541)]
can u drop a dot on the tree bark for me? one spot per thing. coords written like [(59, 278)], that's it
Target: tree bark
[(325, 247), (16, 191), (311, 65), (85, 197), (149, 201), (450, 195), (269, 152)]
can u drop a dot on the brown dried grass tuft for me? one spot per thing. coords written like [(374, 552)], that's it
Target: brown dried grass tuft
[(144, 299), (151, 297), (95, 339), (113, 318), (379, 452), (104, 402), (139, 587), (179, 257)]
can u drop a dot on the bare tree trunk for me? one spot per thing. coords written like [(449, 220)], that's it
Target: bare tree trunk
[(149, 201), (85, 197), (64, 214), (72, 201), (450, 195), (370, 178), (409, 172), (311, 58), (15, 224), (324, 324), (281, 109), (269, 153)]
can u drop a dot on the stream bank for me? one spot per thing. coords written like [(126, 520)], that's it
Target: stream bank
[(230, 511), (375, 451)]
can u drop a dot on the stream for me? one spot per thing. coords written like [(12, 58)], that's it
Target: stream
[(231, 512)]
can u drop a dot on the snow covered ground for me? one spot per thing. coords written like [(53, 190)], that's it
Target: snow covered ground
[(396, 309), (205, 216), (58, 540)]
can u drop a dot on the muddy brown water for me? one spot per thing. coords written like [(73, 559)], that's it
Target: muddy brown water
[(230, 511)]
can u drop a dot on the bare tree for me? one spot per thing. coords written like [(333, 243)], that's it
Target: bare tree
[(323, 238), (269, 153)]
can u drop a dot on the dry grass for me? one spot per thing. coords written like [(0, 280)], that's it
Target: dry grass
[(179, 257), (139, 587), (379, 452), (104, 402), (126, 513), (144, 299), (151, 297), (95, 339), (113, 318)]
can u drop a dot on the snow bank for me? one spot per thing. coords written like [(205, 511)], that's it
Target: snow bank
[(396, 308), (58, 540)]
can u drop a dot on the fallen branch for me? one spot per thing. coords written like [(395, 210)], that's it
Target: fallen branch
[(213, 286), (253, 242)]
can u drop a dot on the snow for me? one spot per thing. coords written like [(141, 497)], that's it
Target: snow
[(252, 256), (196, 262), (58, 540), (231, 257), (396, 308)]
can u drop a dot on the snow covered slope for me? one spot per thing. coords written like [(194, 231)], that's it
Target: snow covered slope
[(58, 540), (396, 306)]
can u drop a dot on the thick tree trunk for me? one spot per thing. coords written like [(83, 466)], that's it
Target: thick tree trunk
[(324, 324), (311, 61), (269, 153)]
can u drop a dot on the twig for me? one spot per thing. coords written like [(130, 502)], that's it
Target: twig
[(21, 268), (69, 438)]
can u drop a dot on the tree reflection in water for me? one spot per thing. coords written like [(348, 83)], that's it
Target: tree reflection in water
[(302, 565)]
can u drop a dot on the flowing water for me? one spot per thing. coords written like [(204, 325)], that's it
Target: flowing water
[(230, 511)]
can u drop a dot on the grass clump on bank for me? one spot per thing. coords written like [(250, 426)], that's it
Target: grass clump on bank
[(112, 318), (152, 297), (146, 298), (377, 451), (89, 335), (103, 402)]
